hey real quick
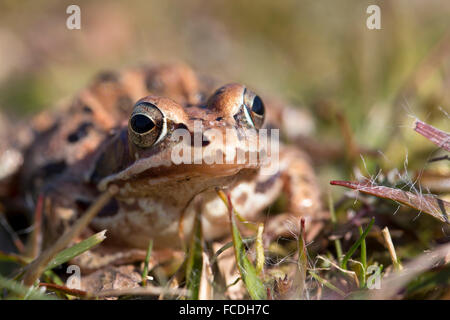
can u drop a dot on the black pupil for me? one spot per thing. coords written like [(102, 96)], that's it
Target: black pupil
[(258, 106), (141, 123)]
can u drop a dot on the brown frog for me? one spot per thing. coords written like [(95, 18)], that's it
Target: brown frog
[(103, 138)]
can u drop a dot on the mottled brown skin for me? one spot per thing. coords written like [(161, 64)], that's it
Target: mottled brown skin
[(89, 147), (70, 134)]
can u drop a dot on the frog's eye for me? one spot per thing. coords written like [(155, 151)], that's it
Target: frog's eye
[(147, 125), (141, 123), (254, 109), (257, 112)]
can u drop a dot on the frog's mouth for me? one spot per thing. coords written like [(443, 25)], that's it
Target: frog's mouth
[(141, 173), (184, 163)]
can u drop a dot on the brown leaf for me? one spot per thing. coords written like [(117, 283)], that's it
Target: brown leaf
[(430, 204), (438, 137)]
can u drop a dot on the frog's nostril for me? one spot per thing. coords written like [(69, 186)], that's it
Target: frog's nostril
[(205, 141), (141, 123)]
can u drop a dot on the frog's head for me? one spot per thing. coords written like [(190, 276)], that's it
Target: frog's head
[(184, 148)]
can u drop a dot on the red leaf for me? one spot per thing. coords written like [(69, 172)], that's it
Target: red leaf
[(430, 204), (438, 137)]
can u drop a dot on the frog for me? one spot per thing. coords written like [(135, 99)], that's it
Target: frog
[(121, 131)]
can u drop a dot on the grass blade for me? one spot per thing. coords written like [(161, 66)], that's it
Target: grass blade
[(15, 258), (387, 238), (14, 237), (22, 291), (356, 244), (194, 264), (36, 236), (363, 258), (349, 274), (260, 259), (147, 259), (253, 283), (205, 291), (247, 241), (300, 275), (76, 250), (327, 284), (337, 242)]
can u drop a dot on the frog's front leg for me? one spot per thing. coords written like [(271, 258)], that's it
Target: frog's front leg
[(299, 182), (294, 176), (303, 193)]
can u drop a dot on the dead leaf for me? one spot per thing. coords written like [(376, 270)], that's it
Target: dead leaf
[(438, 137), (430, 204)]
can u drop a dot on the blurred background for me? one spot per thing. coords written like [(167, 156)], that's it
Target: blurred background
[(363, 87)]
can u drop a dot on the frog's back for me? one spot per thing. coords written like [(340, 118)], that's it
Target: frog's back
[(68, 137)]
